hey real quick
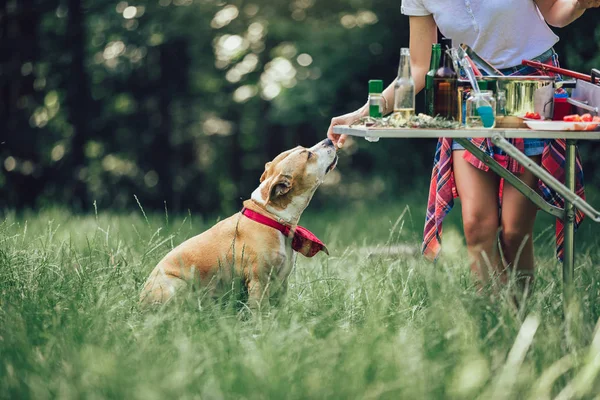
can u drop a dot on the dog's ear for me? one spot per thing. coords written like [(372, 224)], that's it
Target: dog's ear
[(264, 175), (280, 186), (277, 160)]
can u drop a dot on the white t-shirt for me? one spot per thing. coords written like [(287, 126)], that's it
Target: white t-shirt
[(504, 32)]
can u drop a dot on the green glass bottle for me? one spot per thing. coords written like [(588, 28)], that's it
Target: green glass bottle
[(436, 53), (375, 105)]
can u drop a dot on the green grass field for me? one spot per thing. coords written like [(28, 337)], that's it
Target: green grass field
[(373, 320)]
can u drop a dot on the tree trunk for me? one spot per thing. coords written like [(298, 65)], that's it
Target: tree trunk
[(79, 103), (4, 79), (19, 24)]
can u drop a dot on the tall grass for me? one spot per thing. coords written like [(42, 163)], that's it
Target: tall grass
[(362, 323)]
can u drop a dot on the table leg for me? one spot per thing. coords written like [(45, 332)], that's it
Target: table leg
[(569, 225), (547, 178), (521, 186)]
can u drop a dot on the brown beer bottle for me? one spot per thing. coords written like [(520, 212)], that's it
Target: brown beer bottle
[(445, 85)]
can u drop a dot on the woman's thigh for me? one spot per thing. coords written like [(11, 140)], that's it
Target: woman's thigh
[(518, 212), (478, 192)]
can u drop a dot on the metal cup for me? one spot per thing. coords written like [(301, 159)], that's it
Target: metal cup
[(524, 94)]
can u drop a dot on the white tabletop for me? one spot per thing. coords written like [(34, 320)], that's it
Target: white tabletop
[(359, 130)]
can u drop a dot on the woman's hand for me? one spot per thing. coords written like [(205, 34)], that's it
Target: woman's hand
[(560, 13), (346, 119), (585, 4), (423, 32)]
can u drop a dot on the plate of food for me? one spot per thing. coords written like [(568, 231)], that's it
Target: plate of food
[(569, 123)]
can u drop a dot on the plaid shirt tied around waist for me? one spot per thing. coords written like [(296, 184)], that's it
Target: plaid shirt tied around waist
[(442, 189)]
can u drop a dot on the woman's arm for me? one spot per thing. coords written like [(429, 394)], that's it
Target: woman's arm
[(560, 13), (423, 33)]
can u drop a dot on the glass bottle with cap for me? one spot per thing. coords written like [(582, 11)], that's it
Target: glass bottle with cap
[(375, 100), (375, 105)]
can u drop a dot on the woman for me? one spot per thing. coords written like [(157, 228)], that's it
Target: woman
[(504, 32)]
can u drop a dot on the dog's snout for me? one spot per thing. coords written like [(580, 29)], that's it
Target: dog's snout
[(327, 142)]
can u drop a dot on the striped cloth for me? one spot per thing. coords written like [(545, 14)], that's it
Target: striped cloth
[(442, 189)]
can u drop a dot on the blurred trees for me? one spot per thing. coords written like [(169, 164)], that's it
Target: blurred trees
[(183, 101)]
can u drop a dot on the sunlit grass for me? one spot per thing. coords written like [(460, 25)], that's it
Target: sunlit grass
[(373, 320)]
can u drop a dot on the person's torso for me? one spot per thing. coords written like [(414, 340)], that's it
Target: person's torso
[(502, 31)]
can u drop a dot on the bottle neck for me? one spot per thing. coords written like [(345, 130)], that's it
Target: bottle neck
[(404, 68), (435, 58), (446, 69), (446, 60)]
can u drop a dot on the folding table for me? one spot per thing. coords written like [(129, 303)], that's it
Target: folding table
[(499, 138)]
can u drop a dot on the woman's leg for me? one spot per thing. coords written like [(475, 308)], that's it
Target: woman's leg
[(478, 191), (517, 220)]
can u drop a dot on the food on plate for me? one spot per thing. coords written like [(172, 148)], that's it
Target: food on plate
[(572, 118), (591, 127), (532, 115), (574, 122), (586, 118)]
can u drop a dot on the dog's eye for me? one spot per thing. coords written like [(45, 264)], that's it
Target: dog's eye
[(310, 154)]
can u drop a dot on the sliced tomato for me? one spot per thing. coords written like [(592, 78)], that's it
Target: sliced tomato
[(532, 115), (586, 117), (572, 118)]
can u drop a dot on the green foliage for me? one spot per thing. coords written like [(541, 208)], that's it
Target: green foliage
[(371, 321), (185, 100)]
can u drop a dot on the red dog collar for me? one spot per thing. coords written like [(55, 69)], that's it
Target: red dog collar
[(304, 241)]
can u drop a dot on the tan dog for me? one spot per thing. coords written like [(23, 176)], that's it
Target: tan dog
[(255, 245)]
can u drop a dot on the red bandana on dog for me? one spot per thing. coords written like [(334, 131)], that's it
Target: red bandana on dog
[(304, 241)]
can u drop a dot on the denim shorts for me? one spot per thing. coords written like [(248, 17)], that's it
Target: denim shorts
[(524, 70), (533, 147)]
